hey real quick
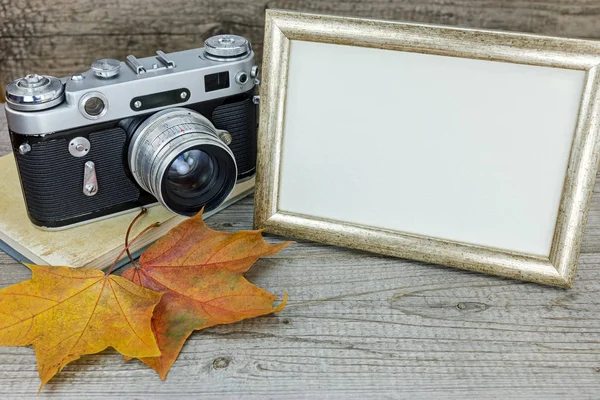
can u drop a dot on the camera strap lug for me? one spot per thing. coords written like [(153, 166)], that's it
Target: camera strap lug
[(135, 65), (90, 182), (24, 148)]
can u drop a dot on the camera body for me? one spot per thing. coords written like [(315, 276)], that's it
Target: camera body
[(179, 129)]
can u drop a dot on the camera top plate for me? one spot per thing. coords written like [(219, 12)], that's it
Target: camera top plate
[(228, 59)]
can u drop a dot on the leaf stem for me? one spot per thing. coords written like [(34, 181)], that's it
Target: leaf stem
[(142, 212), (154, 225)]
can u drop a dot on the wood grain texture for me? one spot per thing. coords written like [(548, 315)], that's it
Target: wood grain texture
[(65, 36), (361, 326), (357, 325)]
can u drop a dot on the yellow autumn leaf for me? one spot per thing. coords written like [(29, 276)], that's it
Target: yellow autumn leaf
[(66, 312)]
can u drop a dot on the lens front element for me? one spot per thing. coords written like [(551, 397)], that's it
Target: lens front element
[(178, 156), (192, 172)]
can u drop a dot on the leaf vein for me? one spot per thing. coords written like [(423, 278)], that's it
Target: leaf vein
[(71, 277), (125, 316), (205, 264), (50, 308), (91, 315), (180, 294), (183, 236), (201, 303), (27, 295), (127, 290), (227, 244), (61, 341)]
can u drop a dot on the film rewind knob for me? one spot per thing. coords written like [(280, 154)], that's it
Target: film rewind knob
[(34, 93)]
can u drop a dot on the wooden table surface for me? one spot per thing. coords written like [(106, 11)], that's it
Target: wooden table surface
[(359, 325)]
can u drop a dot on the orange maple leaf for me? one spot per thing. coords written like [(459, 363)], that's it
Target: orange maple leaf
[(199, 270), (68, 312)]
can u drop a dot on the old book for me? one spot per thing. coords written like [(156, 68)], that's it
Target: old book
[(93, 245)]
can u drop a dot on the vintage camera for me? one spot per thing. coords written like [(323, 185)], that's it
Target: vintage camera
[(176, 128)]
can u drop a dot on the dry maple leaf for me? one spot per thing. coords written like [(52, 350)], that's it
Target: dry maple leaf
[(66, 312), (199, 270)]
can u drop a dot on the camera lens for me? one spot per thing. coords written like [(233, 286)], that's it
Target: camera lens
[(94, 106), (178, 156)]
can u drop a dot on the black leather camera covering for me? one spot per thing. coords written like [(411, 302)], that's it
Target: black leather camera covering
[(52, 179), (239, 119)]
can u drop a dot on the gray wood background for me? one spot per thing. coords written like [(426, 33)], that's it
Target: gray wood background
[(357, 325), (60, 37)]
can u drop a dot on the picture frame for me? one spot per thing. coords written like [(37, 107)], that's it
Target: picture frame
[(554, 261)]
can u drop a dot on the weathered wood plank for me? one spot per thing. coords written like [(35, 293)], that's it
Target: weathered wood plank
[(62, 37), (360, 325), (357, 325)]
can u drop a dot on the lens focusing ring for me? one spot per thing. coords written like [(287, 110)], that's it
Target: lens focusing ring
[(161, 138)]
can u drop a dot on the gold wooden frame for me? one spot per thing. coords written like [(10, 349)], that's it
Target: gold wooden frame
[(557, 269)]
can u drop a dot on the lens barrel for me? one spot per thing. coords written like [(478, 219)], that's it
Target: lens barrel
[(177, 155)]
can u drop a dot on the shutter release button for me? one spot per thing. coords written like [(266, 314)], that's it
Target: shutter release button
[(106, 68)]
